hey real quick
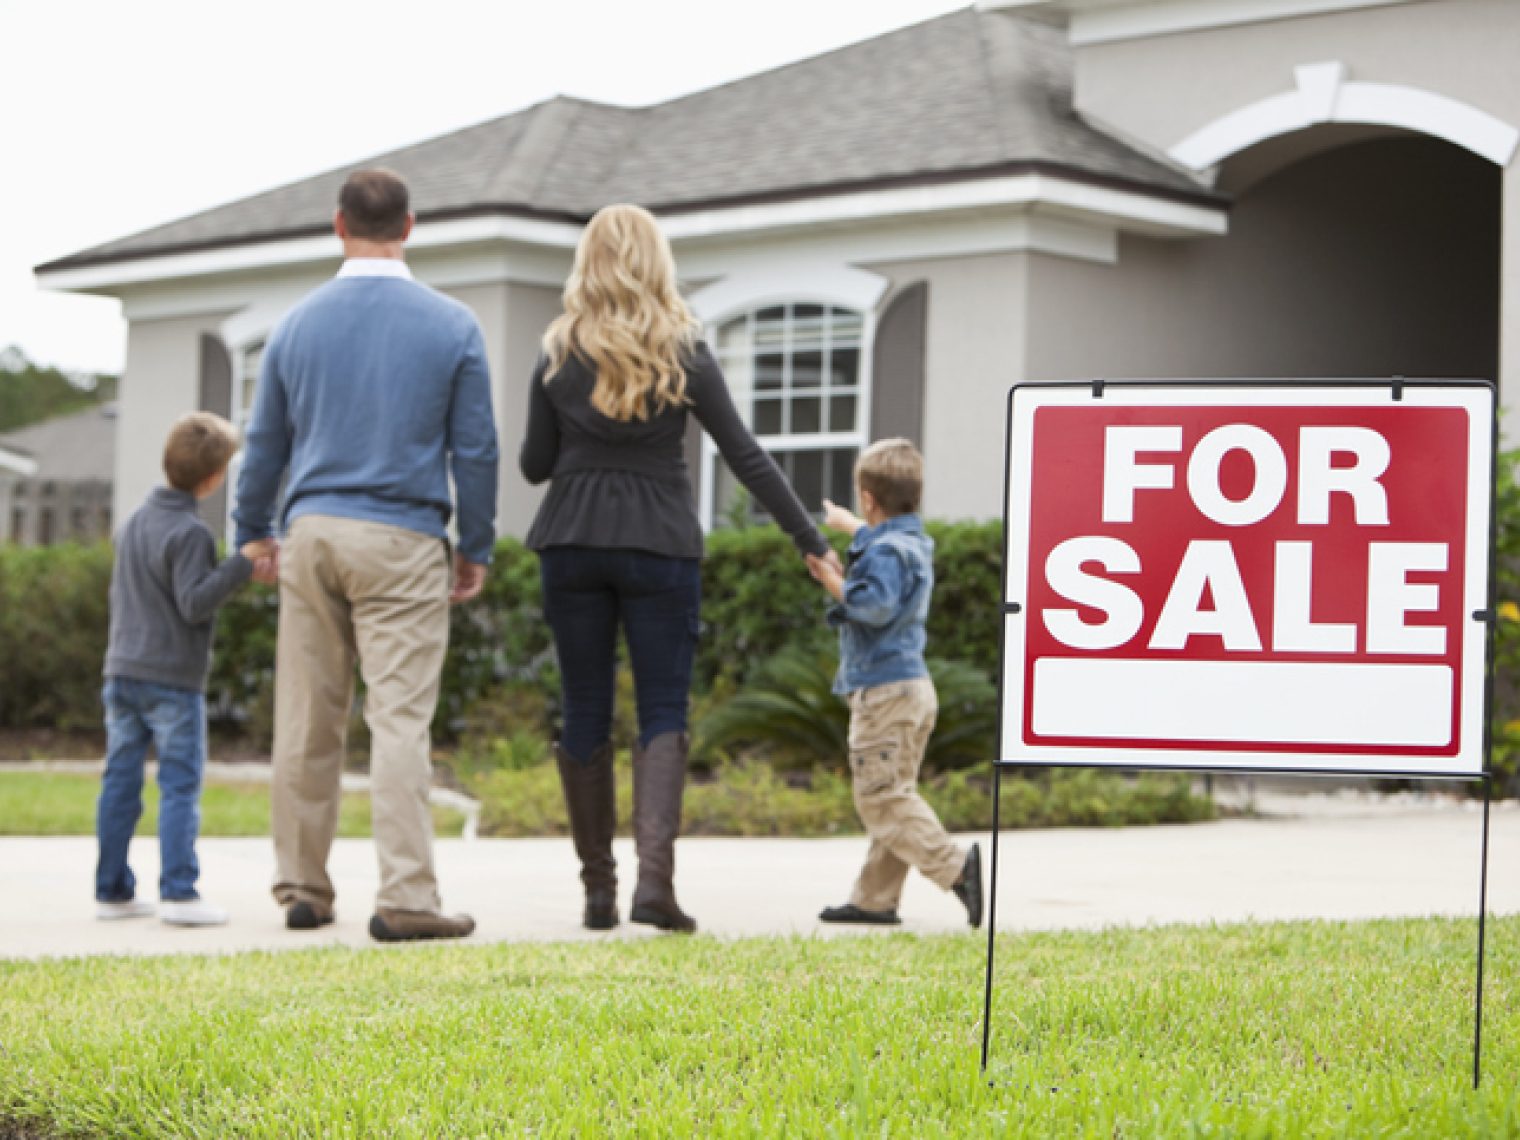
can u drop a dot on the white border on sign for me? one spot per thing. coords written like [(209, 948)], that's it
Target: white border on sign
[(1475, 398)]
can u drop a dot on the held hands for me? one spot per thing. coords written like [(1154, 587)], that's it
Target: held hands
[(265, 556), (840, 518), (828, 573), (469, 578)]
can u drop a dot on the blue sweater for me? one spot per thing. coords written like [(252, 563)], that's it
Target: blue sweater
[(373, 391)]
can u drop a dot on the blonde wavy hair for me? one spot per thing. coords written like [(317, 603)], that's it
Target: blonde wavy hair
[(624, 317)]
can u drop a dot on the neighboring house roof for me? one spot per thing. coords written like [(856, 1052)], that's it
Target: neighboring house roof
[(80, 446), (970, 94)]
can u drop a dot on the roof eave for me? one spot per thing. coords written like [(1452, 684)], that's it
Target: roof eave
[(1122, 203)]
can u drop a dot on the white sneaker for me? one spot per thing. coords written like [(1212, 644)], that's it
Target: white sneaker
[(132, 908), (191, 912)]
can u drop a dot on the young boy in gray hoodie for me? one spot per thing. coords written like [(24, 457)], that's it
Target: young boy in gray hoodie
[(165, 590)]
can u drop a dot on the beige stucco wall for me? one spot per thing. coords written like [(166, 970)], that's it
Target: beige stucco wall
[(530, 308), (976, 352), (1161, 89), (512, 319), (160, 382)]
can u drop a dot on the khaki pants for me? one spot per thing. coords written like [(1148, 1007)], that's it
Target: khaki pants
[(379, 594), (889, 729)]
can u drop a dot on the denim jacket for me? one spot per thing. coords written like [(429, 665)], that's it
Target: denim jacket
[(886, 602)]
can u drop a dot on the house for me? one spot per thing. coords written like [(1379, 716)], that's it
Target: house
[(882, 239), (56, 479)]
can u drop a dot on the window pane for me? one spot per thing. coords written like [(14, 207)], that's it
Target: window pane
[(770, 329), (842, 413), (844, 367), (767, 417), (768, 371), (807, 327), (807, 477), (807, 414), (845, 326), (807, 370)]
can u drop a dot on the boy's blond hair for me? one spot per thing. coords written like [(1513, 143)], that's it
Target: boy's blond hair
[(200, 445), (893, 471)]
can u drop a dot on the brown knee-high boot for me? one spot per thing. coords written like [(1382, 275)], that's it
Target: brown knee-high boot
[(591, 797), (659, 778)]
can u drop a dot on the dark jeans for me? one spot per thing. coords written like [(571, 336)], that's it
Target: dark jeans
[(173, 721), (588, 592)]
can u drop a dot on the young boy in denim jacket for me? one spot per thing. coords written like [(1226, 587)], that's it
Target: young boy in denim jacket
[(881, 604), (165, 590)]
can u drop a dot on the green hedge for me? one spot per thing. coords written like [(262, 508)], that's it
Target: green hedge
[(757, 600)]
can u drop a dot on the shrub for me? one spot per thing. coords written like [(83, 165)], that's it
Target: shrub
[(53, 632), (789, 710), (746, 798)]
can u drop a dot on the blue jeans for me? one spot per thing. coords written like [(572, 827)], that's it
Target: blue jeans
[(173, 721), (588, 593)]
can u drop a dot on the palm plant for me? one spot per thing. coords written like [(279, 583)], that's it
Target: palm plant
[(790, 711)]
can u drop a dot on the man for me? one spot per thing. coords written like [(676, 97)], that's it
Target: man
[(373, 391)]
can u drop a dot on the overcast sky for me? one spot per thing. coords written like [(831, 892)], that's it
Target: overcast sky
[(118, 116)]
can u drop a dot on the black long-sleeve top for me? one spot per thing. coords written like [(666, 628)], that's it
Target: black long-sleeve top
[(625, 484)]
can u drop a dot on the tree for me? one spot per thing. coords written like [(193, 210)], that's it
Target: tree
[(31, 392)]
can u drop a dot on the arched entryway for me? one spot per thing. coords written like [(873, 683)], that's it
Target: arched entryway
[(1365, 252)]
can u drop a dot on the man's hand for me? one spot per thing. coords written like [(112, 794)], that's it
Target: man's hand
[(840, 518), (469, 578), (826, 571), (265, 556)]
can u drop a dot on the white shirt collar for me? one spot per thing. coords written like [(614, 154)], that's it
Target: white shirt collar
[(375, 267)]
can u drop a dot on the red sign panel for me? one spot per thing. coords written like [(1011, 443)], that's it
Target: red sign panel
[(1280, 577)]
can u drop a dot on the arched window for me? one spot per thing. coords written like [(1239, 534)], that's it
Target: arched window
[(798, 374)]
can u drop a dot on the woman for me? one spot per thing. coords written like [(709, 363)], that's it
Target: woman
[(619, 541)]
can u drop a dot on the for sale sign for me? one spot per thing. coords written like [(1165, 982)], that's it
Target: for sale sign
[(1267, 576)]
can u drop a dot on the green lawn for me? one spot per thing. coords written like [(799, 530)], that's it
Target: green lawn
[(57, 803), (1351, 1030)]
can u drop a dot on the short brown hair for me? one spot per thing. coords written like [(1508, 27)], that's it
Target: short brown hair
[(893, 471), (375, 204), (200, 445)]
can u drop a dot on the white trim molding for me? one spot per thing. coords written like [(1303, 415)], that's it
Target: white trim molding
[(1130, 210), (302, 251), (1109, 21), (783, 281), (1044, 205), (1322, 95)]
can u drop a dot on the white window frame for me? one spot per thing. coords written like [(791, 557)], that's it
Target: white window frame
[(707, 506)]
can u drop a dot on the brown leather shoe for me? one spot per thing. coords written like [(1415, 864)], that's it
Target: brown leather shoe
[(416, 925)]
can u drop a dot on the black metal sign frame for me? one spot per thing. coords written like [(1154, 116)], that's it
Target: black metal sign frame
[(1396, 386)]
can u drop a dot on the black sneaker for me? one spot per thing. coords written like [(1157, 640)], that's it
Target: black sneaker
[(968, 888), (852, 913), (303, 915)]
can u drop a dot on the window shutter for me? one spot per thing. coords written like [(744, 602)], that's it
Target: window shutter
[(215, 396), (898, 366)]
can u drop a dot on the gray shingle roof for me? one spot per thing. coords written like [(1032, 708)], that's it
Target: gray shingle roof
[(81, 445), (968, 94)]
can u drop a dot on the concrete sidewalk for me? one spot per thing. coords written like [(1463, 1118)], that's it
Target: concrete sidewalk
[(1362, 859)]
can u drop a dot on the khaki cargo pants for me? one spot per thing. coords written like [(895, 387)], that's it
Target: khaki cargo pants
[(889, 730), (353, 590)]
